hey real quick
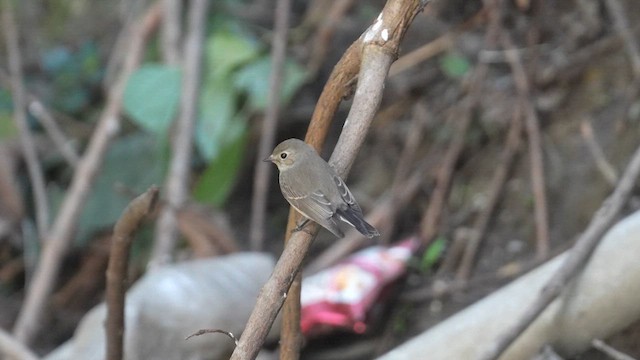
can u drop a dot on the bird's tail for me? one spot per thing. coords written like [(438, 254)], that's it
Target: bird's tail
[(355, 219)]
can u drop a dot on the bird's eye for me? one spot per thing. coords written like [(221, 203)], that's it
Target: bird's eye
[(283, 155)]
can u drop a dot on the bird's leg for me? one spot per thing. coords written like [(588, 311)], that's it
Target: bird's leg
[(300, 226)]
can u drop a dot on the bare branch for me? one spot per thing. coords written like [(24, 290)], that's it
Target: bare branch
[(59, 237), (512, 144), (622, 27), (36, 176), (10, 348), (386, 33), (123, 235), (179, 170), (606, 169), (269, 125), (40, 112), (611, 352), (171, 21), (578, 255), (532, 124)]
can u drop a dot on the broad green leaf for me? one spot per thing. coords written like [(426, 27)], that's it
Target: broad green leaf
[(218, 179), (226, 51), (217, 109), (133, 163), (152, 96), (433, 253), (454, 66), (254, 79)]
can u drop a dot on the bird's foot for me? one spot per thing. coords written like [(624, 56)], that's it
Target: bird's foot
[(300, 226)]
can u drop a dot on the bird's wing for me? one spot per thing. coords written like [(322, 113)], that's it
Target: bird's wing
[(346, 194), (315, 206)]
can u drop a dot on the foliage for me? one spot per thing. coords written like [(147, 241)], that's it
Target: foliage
[(151, 97), (235, 86), (132, 164), (454, 65), (433, 253), (72, 74)]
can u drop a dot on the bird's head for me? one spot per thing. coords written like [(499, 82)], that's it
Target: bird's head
[(288, 153)]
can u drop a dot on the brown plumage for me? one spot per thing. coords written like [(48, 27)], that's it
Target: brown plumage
[(314, 189)]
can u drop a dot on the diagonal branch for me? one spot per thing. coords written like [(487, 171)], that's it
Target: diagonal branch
[(20, 116), (59, 237), (532, 124), (380, 46), (578, 255)]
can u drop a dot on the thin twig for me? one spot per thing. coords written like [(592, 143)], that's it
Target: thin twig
[(40, 112), (123, 235), (322, 39), (535, 148), (59, 237), (462, 115), (500, 175), (214, 331), (36, 177), (176, 186), (12, 349), (171, 25), (269, 125), (578, 255), (609, 351), (622, 27), (45, 116), (431, 219), (386, 33), (13, 205), (217, 234), (606, 169), (436, 46)]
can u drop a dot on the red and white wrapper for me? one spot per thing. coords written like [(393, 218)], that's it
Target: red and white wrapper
[(340, 296)]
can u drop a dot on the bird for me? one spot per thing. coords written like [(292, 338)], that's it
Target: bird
[(312, 187)]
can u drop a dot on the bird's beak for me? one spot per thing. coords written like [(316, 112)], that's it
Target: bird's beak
[(268, 159)]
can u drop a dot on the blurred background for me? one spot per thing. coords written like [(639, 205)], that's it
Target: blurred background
[(503, 125)]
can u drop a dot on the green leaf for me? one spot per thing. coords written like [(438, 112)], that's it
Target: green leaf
[(254, 79), (152, 96), (217, 109), (8, 129), (226, 51), (134, 163), (216, 183), (433, 253), (454, 66)]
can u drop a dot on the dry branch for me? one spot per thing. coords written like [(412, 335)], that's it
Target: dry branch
[(123, 235), (622, 27), (535, 147), (499, 178), (12, 349), (40, 112), (36, 177), (177, 183), (463, 115), (171, 31), (59, 237), (578, 255), (269, 125), (386, 33)]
